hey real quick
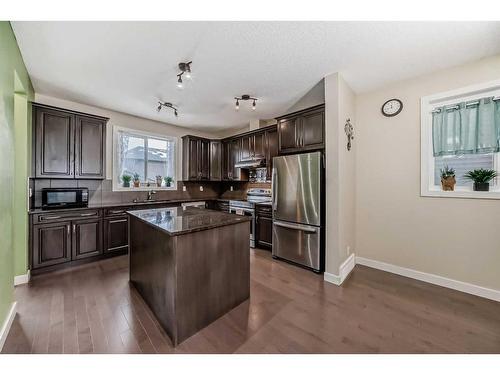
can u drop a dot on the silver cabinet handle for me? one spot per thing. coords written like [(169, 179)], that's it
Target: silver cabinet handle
[(118, 221), (303, 228), (50, 217), (67, 229), (90, 214), (116, 211), (74, 228)]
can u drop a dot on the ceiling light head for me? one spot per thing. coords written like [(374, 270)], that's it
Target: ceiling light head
[(253, 105), (179, 81), (185, 68), (246, 97), (237, 106), (168, 105)]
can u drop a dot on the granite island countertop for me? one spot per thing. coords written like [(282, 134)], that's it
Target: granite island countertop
[(181, 220)]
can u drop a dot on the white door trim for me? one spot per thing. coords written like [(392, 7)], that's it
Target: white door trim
[(7, 324)]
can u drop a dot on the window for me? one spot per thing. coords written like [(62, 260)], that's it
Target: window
[(456, 131), (144, 155)]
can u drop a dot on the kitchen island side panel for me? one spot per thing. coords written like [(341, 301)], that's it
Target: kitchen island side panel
[(213, 275), (152, 270)]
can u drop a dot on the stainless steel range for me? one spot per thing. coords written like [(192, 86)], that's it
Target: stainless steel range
[(246, 207)]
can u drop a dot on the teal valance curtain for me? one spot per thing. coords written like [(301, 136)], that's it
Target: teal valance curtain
[(467, 128)]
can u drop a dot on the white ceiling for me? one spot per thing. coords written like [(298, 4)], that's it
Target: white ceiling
[(128, 66)]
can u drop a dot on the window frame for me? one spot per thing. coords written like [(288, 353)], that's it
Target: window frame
[(427, 104), (116, 185)]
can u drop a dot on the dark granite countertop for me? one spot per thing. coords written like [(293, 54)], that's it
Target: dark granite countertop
[(126, 204), (178, 220)]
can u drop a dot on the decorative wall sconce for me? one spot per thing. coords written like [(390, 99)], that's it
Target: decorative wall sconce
[(245, 97), (167, 105), (349, 132), (185, 69)]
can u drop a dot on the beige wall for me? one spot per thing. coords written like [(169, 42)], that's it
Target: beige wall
[(126, 121), (340, 173), (449, 237)]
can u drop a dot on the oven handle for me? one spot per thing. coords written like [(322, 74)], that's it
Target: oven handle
[(304, 228)]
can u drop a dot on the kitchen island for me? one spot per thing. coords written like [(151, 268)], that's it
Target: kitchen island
[(190, 265)]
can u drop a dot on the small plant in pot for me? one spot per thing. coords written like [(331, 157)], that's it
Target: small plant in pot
[(126, 180), (137, 181), (481, 178), (168, 181), (448, 180), (159, 179)]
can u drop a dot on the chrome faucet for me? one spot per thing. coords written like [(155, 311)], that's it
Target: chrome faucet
[(150, 194)]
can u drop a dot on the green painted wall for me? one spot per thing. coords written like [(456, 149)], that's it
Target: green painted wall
[(11, 63)]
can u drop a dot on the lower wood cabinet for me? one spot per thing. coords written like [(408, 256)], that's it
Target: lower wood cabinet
[(263, 227), (115, 234), (51, 244), (86, 238)]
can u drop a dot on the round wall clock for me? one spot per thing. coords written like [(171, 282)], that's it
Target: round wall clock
[(392, 107)]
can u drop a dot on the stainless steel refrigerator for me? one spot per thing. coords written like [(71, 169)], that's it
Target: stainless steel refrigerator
[(298, 216)]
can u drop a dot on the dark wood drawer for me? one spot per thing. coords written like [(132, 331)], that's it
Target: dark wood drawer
[(54, 217), (264, 211), (116, 211)]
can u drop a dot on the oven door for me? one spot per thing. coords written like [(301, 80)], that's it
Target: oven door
[(250, 212)]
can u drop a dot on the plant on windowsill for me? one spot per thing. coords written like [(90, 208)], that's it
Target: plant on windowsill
[(168, 181), (126, 180), (137, 181), (448, 180), (481, 178), (158, 180)]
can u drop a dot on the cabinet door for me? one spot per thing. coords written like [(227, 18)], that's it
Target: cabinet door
[(272, 151), (54, 143), (259, 145), (288, 135), (190, 159), (90, 141), (51, 244), (235, 158), (215, 160), (204, 159), (87, 238), (246, 150), (264, 231), (116, 234), (226, 160), (312, 130)]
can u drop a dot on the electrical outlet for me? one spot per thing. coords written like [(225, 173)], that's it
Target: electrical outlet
[(184, 188), (231, 188), (201, 188)]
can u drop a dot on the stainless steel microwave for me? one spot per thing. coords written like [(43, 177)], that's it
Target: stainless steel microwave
[(64, 198)]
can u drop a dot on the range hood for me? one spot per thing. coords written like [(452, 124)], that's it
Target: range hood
[(251, 164)]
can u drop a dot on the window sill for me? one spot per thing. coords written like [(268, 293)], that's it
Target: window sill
[(467, 194), (144, 188)]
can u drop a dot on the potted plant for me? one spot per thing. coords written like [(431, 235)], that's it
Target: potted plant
[(448, 180), (126, 180), (137, 181), (168, 181), (481, 178), (158, 180)]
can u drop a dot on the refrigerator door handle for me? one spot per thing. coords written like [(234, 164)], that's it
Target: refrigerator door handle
[(304, 228), (274, 182)]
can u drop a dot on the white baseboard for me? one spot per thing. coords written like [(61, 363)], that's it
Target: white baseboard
[(432, 279), (344, 270), (7, 324), (22, 279)]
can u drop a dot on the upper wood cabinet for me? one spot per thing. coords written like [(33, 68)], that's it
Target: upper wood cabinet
[(68, 144), (271, 150), (302, 131), (195, 158), (253, 147), (215, 160)]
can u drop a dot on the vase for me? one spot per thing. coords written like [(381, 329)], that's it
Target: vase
[(137, 183), (481, 186), (448, 183), (126, 184)]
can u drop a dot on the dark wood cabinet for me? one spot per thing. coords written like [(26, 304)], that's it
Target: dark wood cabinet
[(215, 160), (230, 156), (195, 158), (302, 131), (54, 143), (246, 147), (253, 146), (90, 147), (51, 244), (86, 238), (263, 226), (116, 234), (68, 144), (271, 151)]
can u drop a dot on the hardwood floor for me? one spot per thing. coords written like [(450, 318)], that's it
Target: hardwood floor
[(92, 309)]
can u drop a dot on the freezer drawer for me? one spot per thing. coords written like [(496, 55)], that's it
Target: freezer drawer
[(297, 243)]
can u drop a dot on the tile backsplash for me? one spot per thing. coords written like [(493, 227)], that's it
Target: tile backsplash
[(101, 192)]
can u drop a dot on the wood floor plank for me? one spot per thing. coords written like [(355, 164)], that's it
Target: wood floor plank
[(93, 309)]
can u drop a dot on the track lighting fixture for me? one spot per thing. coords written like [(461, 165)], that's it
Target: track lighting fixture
[(168, 105), (185, 69), (245, 97)]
